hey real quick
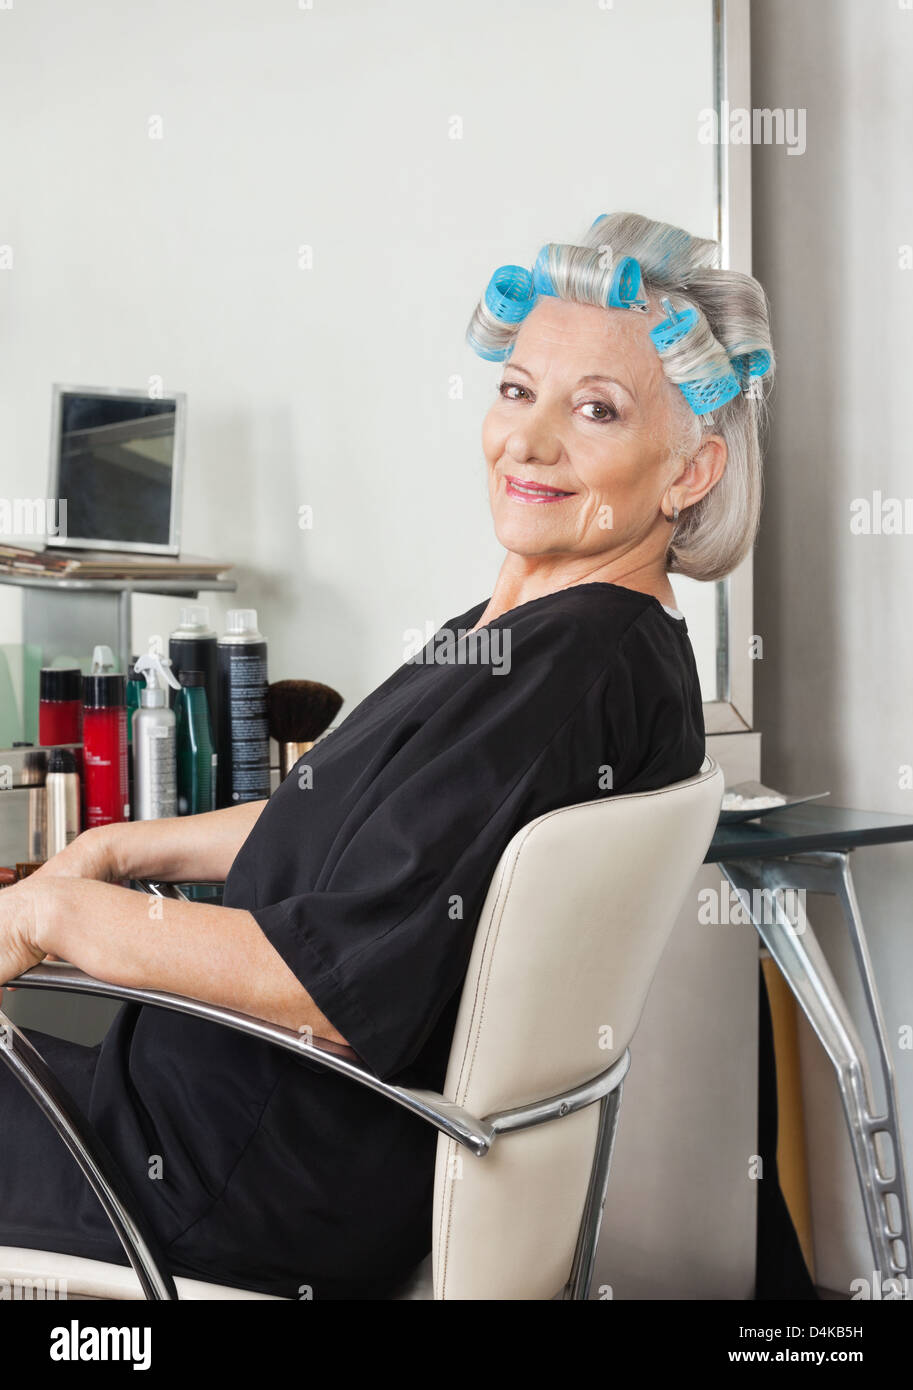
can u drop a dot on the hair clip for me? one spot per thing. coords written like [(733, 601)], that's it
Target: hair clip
[(750, 366)]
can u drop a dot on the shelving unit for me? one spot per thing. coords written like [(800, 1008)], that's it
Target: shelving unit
[(62, 616)]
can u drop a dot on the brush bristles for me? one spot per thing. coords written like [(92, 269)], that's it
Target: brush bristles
[(300, 711)]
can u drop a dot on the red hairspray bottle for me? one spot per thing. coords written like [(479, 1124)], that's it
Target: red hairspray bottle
[(59, 706), (104, 736)]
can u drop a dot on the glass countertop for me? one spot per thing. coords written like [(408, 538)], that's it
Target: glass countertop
[(803, 829)]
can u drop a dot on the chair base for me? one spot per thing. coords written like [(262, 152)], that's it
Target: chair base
[(46, 1274)]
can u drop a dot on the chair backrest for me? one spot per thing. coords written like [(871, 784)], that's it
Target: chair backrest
[(571, 932)]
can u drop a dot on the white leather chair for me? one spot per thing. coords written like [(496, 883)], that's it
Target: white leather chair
[(570, 935)]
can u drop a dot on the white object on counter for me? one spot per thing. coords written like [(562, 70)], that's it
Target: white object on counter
[(732, 801)]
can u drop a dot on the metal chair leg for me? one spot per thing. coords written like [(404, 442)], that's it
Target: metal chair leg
[(110, 1187), (804, 966), (578, 1285)]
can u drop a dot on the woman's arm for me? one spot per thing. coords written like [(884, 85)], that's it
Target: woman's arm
[(183, 847), (174, 849), (217, 954)]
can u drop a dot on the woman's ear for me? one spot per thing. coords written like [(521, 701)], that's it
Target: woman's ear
[(699, 474)]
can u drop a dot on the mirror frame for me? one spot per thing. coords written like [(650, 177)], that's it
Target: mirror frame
[(67, 542), (732, 710)]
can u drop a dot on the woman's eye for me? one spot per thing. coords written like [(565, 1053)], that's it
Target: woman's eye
[(610, 413), (606, 411)]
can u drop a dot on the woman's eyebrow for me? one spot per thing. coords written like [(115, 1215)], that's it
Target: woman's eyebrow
[(584, 380)]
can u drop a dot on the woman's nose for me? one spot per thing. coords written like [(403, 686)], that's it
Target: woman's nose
[(536, 440)]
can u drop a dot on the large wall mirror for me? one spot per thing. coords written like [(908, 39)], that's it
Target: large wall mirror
[(288, 212)]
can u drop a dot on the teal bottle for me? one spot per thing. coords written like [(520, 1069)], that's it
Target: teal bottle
[(135, 687), (196, 756)]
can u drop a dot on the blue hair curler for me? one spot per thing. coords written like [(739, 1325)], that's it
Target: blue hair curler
[(542, 279), (707, 393), (673, 327), (626, 289), (490, 354), (510, 294)]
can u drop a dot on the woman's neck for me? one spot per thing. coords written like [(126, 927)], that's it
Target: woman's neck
[(519, 582)]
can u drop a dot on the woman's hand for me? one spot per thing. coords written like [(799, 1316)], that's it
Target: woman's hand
[(90, 855), (20, 915), (176, 848)]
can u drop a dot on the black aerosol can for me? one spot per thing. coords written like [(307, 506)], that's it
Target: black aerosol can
[(243, 738), (192, 647)]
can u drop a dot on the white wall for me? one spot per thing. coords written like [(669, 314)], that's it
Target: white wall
[(834, 686), (330, 387)]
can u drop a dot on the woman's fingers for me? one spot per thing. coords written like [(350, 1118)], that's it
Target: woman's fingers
[(18, 951), (7, 876)]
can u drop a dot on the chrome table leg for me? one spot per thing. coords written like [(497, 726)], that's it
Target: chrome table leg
[(760, 885)]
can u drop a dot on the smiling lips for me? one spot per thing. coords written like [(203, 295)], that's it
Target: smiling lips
[(524, 491)]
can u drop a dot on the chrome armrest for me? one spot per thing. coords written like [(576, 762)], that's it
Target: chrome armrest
[(452, 1120), (475, 1134)]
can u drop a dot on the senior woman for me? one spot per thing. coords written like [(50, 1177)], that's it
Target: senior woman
[(622, 444)]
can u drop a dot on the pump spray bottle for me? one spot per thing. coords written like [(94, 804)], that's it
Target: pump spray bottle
[(154, 765)]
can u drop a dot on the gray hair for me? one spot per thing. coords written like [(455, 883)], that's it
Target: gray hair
[(715, 534)]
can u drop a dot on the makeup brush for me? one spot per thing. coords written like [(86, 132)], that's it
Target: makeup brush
[(298, 713)]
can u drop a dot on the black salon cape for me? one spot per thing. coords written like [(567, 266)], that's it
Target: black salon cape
[(367, 871)]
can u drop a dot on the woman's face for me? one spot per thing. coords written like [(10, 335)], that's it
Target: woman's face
[(577, 439)]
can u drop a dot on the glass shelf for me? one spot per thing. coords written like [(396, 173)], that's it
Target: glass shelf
[(187, 586)]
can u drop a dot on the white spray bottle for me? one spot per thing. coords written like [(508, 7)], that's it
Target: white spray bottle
[(154, 758)]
